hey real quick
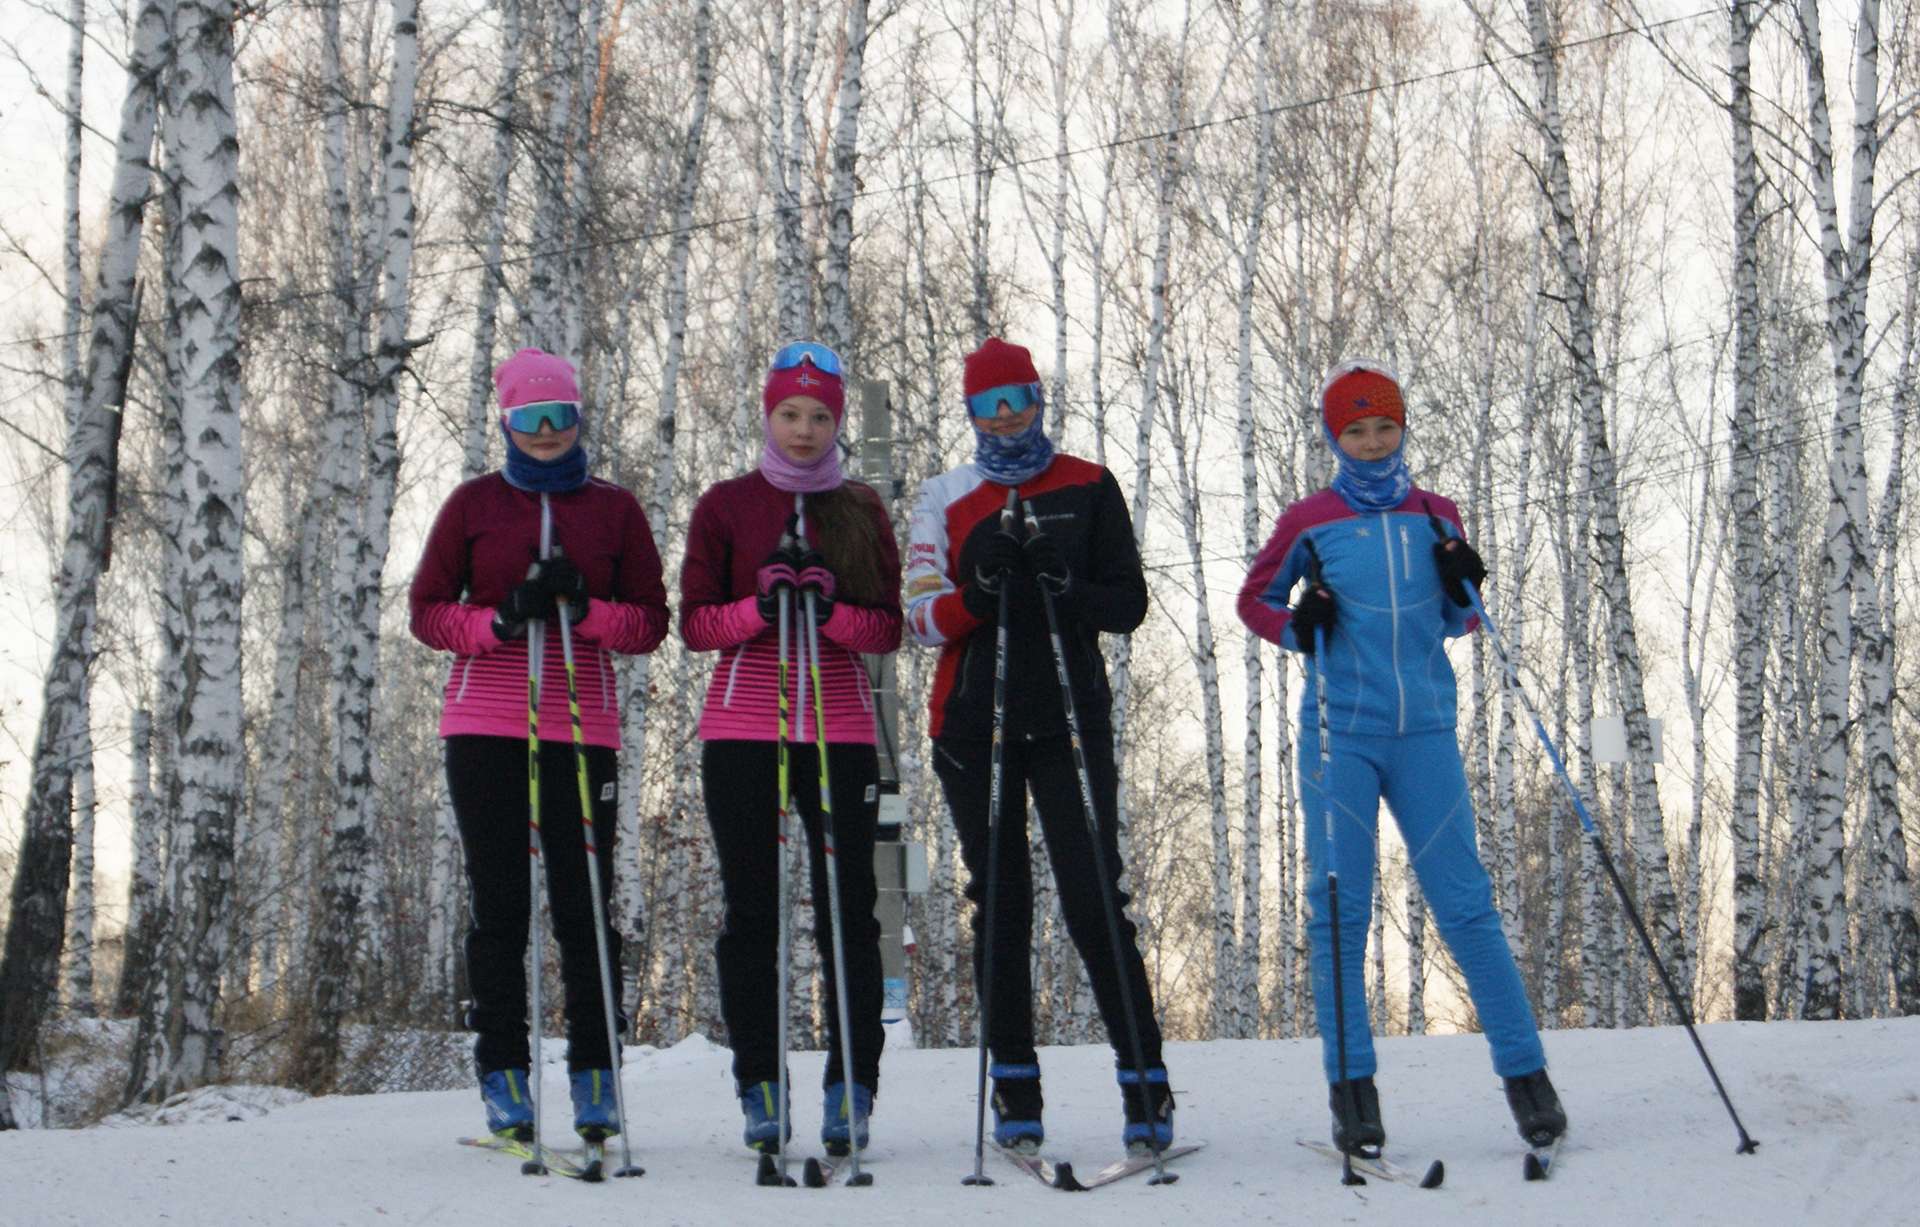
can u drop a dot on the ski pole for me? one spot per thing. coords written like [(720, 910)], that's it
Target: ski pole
[(995, 782), (595, 893), (1160, 1173), (536, 644), (1512, 679), (827, 844), (1318, 579), (783, 594)]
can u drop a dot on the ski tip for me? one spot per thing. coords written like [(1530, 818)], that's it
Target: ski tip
[(1065, 1180), (1534, 1169), (813, 1175), (1436, 1175)]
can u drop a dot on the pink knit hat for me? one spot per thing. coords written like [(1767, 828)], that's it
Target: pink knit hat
[(534, 375)]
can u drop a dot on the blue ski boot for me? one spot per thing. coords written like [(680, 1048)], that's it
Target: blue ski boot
[(595, 1110), (759, 1102), (509, 1107), (1149, 1116), (1017, 1104), (840, 1129)]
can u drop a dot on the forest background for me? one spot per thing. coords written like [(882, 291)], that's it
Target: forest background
[(1657, 323)]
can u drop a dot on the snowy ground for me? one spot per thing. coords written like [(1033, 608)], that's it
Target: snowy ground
[(1835, 1106)]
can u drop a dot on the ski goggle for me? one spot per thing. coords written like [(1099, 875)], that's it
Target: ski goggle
[(559, 414), (813, 353), (1019, 397)]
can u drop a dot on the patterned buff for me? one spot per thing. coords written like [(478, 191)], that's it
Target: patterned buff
[(803, 378), (1012, 459), (810, 478), (998, 365), (1356, 389)]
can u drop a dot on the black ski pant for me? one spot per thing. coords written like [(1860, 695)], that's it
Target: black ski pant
[(487, 779), (1044, 767), (742, 789)]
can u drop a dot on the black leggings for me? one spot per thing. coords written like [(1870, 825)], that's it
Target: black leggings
[(1044, 767), (487, 779), (742, 787)]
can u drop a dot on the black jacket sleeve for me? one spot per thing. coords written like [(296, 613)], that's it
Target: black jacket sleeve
[(1112, 596)]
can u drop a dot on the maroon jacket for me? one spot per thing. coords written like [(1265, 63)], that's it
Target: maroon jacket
[(735, 525), (484, 539)]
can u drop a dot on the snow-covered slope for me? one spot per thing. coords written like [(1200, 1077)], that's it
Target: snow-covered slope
[(1833, 1105)]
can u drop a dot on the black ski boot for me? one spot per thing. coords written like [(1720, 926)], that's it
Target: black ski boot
[(1356, 1117), (1536, 1109)]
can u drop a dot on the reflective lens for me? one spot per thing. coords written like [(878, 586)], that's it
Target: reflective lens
[(819, 356), (1018, 397), (558, 414)]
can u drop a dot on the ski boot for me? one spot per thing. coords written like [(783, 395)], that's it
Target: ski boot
[(1536, 1109), (1357, 1129), (1017, 1104), (843, 1124), (509, 1107), (760, 1104), (595, 1110), (1150, 1116)]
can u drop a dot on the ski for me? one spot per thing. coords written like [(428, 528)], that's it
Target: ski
[(1138, 1162), (819, 1173), (559, 1163), (1432, 1178), (1054, 1174), (1540, 1160)]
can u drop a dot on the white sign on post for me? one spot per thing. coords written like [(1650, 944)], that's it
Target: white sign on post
[(1609, 739)]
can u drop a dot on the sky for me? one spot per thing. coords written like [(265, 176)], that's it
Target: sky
[(1834, 1107)]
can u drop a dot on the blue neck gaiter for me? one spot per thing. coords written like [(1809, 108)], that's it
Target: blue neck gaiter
[(564, 472), (1012, 459), (1372, 485)]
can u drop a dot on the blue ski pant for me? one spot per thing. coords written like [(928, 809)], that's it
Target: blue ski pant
[(1420, 777)]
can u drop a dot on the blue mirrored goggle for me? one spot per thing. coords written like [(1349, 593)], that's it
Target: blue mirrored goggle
[(1019, 397), (819, 356), (559, 414)]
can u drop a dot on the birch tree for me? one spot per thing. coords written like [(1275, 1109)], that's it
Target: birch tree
[(36, 918)]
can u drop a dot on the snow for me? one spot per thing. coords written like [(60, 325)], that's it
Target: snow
[(1833, 1105)]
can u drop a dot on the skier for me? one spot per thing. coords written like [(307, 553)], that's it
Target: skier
[(1081, 545), (484, 578), (1384, 595), (738, 558)]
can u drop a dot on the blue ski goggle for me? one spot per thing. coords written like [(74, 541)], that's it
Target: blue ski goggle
[(559, 414), (811, 353), (1018, 397)]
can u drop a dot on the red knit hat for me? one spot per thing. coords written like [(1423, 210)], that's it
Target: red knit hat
[(1360, 388), (532, 376), (995, 365), (804, 380)]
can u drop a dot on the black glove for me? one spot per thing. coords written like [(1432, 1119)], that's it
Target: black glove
[(528, 602), (562, 581), (781, 569), (998, 557), (1315, 610), (1459, 565), (1048, 564), (814, 576)]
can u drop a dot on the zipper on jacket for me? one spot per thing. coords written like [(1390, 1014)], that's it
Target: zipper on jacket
[(466, 671), (733, 675), (1393, 605)]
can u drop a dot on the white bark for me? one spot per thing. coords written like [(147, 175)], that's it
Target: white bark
[(30, 964), (836, 287), (549, 289), (204, 145), (479, 432), (145, 914), (788, 67)]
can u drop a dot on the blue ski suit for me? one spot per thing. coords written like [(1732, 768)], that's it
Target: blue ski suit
[(1390, 718)]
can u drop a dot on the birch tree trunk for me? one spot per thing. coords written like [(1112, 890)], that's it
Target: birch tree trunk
[(37, 909), (836, 288), (360, 559), (549, 289), (1850, 600), (204, 145), (478, 436), (1649, 829), (145, 915), (1749, 528), (787, 71)]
